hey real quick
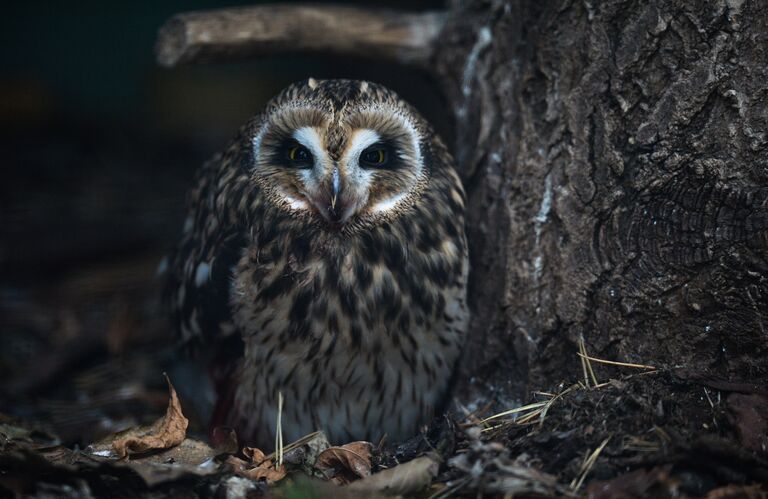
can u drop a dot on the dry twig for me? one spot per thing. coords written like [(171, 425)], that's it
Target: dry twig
[(613, 362), (586, 467)]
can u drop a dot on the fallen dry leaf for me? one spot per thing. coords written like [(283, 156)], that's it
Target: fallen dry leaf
[(403, 479), (188, 459), (346, 463), (254, 455), (257, 467), (271, 475), (166, 432)]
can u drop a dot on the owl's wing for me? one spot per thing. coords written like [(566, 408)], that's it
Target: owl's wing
[(200, 270), (199, 288)]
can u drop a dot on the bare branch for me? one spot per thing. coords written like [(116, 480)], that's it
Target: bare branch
[(237, 33)]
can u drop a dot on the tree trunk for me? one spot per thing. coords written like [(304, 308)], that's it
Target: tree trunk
[(616, 163)]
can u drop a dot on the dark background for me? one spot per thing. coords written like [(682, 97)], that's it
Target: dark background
[(98, 148)]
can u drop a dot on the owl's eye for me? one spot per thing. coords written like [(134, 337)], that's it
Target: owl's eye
[(376, 156), (298, 156)]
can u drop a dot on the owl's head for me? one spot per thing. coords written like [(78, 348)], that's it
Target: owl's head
[(339, 152)]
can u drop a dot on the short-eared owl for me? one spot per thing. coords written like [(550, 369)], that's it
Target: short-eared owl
[(328, 238)]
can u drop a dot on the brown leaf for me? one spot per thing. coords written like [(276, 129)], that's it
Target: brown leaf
[(188, 459), (254, 455), (403, 479), (167, 431), (346, 463), (271, 475), (191, 458), (263, 471)]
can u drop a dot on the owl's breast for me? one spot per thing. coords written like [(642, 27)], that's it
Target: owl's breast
[(369, 329), (339, 293)]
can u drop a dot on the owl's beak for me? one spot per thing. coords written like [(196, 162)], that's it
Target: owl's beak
[(335, 188), (336, 208), (334, 201)]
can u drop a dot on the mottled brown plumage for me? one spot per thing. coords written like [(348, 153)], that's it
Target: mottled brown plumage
[(329, 236)]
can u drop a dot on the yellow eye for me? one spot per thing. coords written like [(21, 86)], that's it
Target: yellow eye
[(374, 157), (299, 156), (294, 153)]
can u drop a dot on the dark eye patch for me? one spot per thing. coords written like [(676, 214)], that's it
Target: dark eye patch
[(291, 154), (381, 155)]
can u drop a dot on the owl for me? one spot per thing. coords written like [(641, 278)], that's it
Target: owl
[(328, 242)]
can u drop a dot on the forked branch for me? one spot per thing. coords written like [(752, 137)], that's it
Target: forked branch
[(238, 33)]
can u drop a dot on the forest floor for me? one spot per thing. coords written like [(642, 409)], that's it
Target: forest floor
[(82, 363)]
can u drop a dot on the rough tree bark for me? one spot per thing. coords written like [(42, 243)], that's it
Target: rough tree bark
[(615, 155), (616, 158)]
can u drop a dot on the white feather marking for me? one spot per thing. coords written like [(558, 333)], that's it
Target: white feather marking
[(389, 203), (361, 140), (309, 138), (415, 140), (295, 203), (202, 274), (256, 142)]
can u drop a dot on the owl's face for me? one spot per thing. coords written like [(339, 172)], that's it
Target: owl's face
[(339, 152)]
